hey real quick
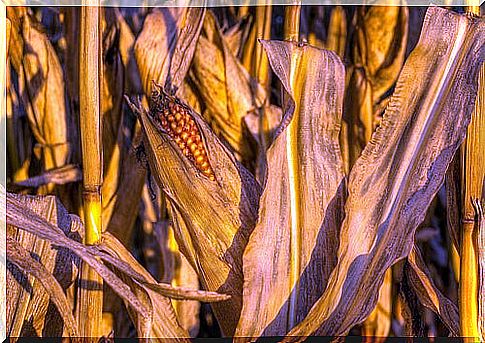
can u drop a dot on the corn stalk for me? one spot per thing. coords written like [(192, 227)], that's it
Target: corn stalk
[(90, 73), (473, 177)]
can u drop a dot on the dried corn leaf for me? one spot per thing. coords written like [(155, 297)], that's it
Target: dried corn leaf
[(165, 47), (17, 255), (212, 218), (22, 217), (226, 88), (57, 176), (127, 43), (428, 294), (402, 168), (293, 248), (122, 185), (41, 87), (379, 47), (28, 310)]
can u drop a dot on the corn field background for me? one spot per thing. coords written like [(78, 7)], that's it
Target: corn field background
[(282, 171)]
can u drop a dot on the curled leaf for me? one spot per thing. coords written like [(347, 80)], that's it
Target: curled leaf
[(402, 168), (293, 248)]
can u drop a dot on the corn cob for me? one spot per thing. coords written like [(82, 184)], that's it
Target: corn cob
[(175, 118)]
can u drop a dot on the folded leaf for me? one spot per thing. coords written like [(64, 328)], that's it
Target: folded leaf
[(293, 248), (402, 168), (213, 204)]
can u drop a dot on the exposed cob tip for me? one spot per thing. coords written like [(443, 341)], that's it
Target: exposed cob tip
[(176, 120)]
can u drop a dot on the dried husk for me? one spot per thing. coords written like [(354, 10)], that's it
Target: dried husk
[(165, 46), (226, 88), (379, 49), (42, 88), (293, 248), (212, 220), (402, 168)]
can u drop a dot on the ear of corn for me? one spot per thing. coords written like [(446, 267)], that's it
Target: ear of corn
[(212, 218)]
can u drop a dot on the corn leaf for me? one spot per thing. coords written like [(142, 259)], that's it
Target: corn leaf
[(402, 168), (17, 255), (293, 248), (28, 299)]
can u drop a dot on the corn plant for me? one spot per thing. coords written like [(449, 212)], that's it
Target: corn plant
[(162, 159)]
